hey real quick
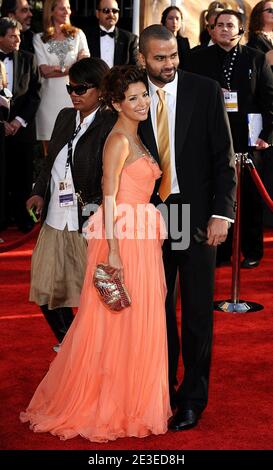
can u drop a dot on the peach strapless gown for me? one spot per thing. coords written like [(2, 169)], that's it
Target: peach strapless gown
[(110, 377)]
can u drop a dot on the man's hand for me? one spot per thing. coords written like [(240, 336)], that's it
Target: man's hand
[(261, 144), (217, 231), (15, 125), (8, 129)]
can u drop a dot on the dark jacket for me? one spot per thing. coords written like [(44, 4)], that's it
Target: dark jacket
[(203, 149), (183, 47), (258, 41), (251, 78), (26, 98), (26, 43), (87, 158), (126, 45)]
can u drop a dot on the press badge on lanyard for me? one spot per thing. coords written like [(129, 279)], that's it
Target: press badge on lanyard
[(66, 196), (231, 101)]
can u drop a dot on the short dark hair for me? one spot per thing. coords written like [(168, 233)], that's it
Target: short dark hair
[(155, 31), (8, 6), (8, 23), (117, 82), (89, 70), (98, 4), (228, 11), (167, 11)]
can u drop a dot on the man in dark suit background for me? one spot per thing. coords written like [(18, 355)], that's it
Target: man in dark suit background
[(23, 81), (244, 71), (21, 11), (203, 176), (112, 44)]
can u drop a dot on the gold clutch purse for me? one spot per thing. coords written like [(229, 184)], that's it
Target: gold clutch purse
[(111, 290)]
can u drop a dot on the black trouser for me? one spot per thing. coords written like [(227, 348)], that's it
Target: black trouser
[(59, 320), (196, 266)]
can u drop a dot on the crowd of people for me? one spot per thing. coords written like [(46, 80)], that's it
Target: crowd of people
[(130, 122)]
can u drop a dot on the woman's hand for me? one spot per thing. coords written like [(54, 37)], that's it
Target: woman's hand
[(37, 202), (114, 260), (53, 71)]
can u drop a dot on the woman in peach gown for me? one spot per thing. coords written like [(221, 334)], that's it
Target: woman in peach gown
[(110, 377)]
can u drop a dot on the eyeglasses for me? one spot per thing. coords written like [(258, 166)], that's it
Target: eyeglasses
[(269, 10), (106, 11), (79, 89)]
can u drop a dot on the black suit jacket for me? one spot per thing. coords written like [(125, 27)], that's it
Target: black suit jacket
[(26, 98), (258, 41), (183, 47), (252, 79), (26, 43), (87, 158), (203, 149), (126, 45)]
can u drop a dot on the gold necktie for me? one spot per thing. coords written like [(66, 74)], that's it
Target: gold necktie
[(163, 145)]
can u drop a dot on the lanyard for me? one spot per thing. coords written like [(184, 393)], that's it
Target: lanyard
[(70, 148), (228, 66)]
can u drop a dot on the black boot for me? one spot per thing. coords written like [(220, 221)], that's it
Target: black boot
[(58, 319)]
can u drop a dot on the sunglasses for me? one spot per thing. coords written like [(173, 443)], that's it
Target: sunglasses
[(269, 10), (106, 11), (78, 89)]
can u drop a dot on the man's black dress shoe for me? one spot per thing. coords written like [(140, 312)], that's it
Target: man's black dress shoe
[(184, 419), (250, 263)]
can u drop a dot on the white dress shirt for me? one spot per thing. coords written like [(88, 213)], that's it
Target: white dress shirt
[(107, 47), (58, 217)]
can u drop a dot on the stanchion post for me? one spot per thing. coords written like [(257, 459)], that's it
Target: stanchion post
[(234, 304), (236, 241)]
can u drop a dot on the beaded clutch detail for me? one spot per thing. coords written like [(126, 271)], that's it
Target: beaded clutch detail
[(111, 290)]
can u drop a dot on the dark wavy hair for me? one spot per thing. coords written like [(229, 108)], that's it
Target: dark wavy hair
[(118, 80), (256, 22)]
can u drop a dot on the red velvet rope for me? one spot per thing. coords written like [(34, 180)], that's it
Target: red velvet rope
[(260, 186), (21, 240)]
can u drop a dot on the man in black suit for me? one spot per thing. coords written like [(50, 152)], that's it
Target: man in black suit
[(112, 44), (23, 82), (243, 72), (21, 11), (202, 176)]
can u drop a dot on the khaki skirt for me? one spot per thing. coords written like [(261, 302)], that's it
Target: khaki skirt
[(57, 268)]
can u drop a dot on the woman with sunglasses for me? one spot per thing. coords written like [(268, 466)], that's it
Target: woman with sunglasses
[(58, 47), (69, 182), (110, 378), (261, 29)]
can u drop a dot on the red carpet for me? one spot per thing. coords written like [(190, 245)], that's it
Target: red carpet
[(240, 411)]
